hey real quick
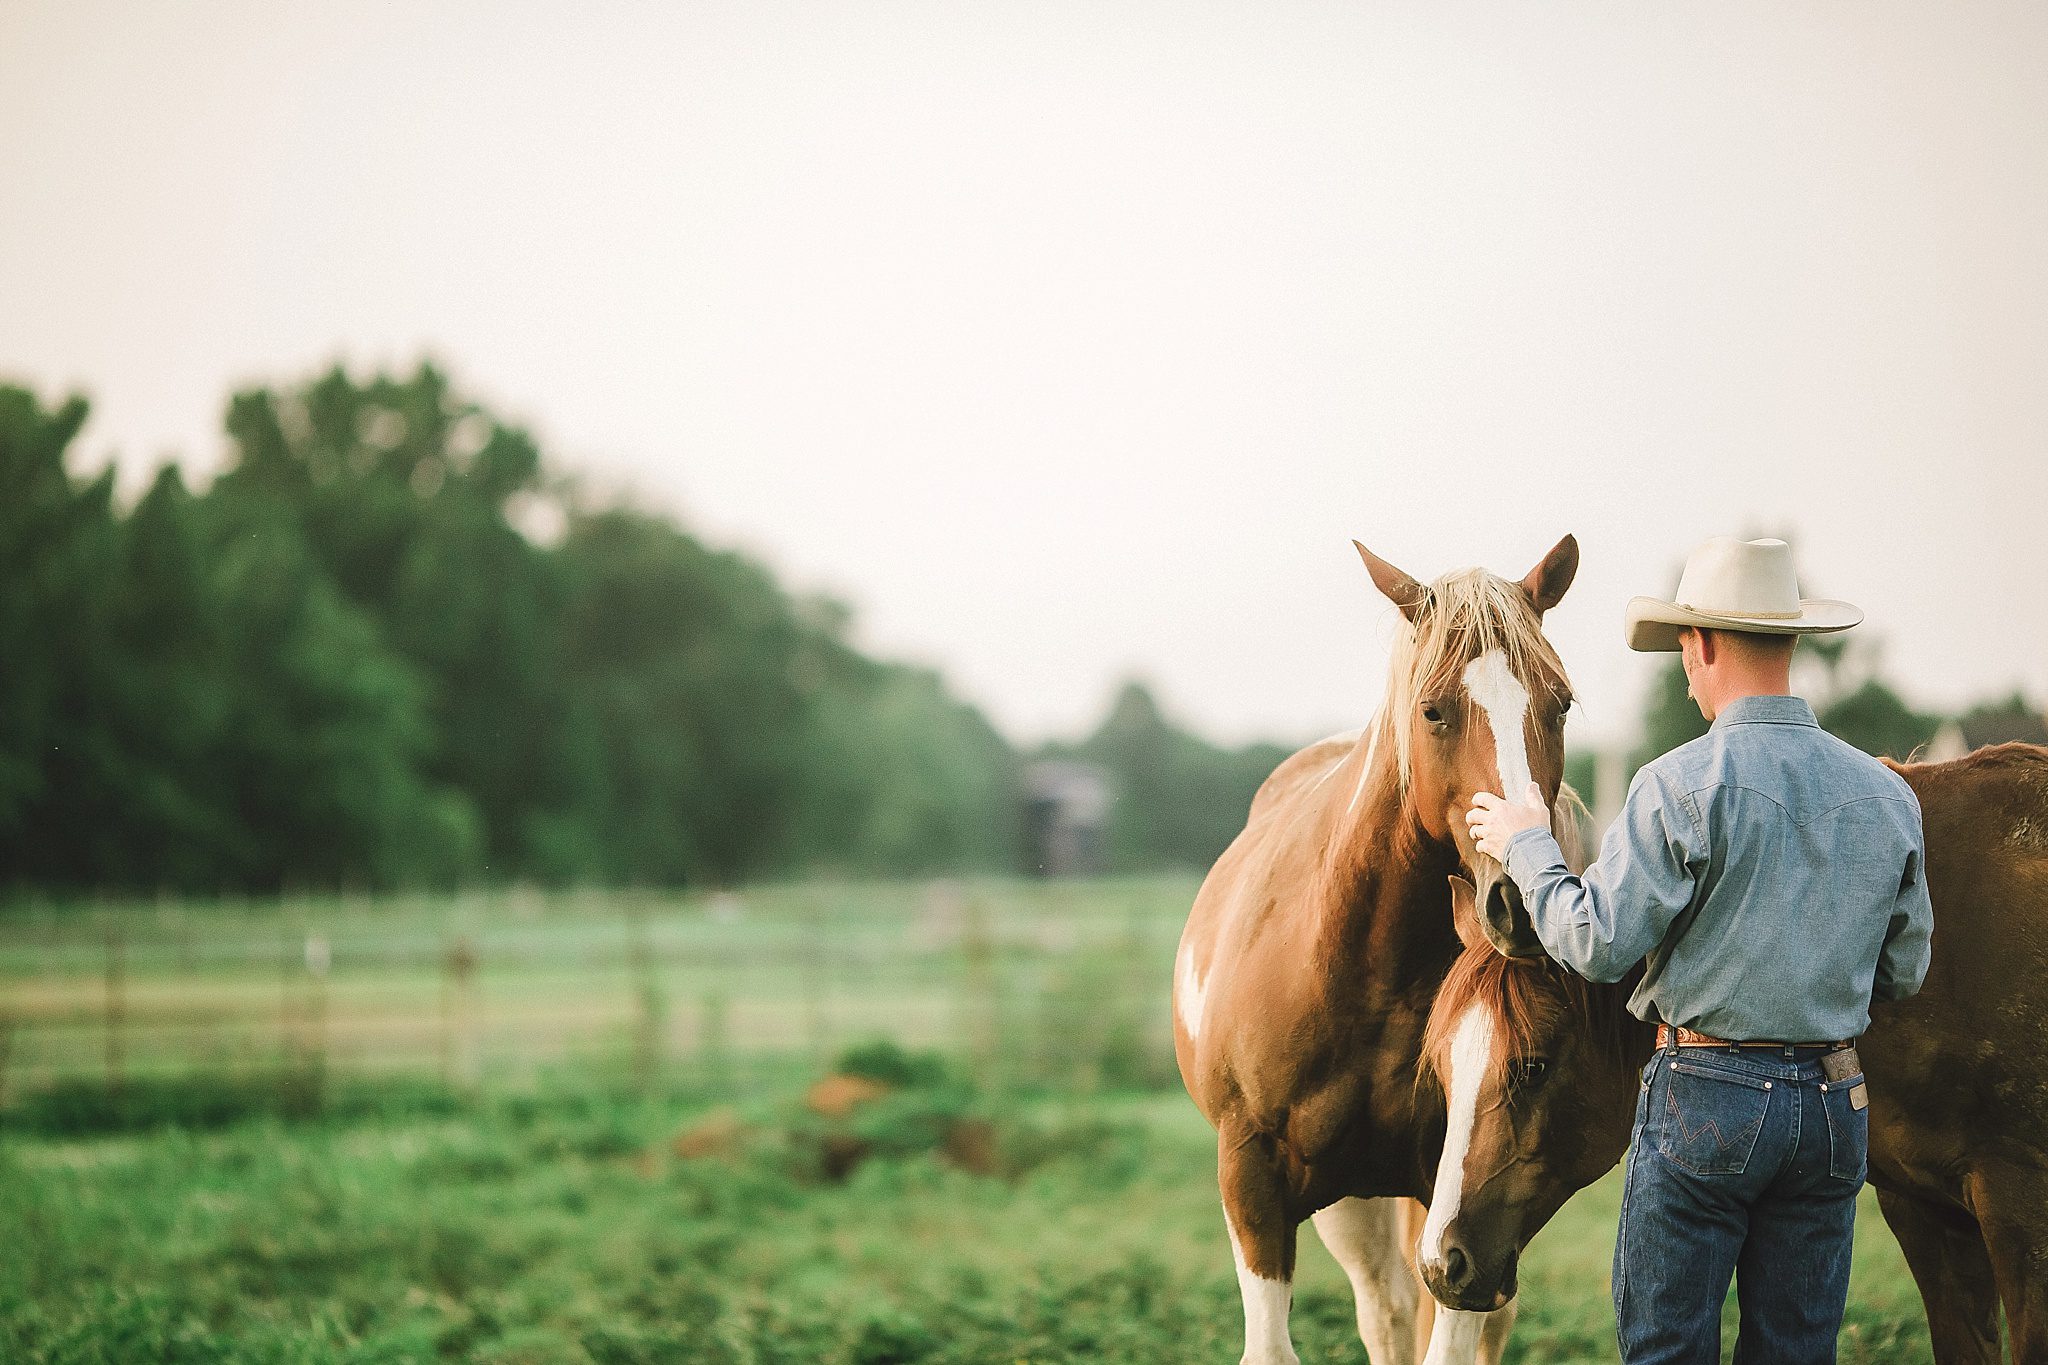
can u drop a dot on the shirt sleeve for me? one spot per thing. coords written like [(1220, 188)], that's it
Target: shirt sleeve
[(1606, 919), (1902, 965)]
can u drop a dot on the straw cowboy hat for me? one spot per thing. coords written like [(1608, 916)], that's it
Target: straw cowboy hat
[(1731, 584)]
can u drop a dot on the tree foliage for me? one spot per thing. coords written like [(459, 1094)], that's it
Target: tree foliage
[(346, 663), (1841, 675)]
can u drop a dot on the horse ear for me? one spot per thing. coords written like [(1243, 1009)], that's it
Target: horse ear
[(1547, 582), (1404, 592), (1465, 913)]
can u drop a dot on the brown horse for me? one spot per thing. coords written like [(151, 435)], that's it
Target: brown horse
[(1958, 1073), (1318, 940)]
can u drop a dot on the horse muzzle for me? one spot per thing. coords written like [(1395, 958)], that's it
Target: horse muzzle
[(1459, 1280), (1504, 918)]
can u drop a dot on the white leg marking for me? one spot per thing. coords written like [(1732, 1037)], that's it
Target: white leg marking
[(1265, 1311), (1191, 994), (1454, 1337), (1471, 1055), (1493, 1343), (1365, 1237), (1500, 694)]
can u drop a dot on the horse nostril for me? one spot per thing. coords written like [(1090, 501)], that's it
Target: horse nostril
[(1457, 1269)]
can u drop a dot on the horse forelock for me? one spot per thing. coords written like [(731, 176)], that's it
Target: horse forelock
[(1470, 612), (1525, 997), (1510, 990)]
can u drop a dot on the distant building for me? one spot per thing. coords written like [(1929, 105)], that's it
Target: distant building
[(1066, 817), (1948, 743), (2001, 724)]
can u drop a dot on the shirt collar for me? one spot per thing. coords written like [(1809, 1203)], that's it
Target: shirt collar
[(1765, 710)]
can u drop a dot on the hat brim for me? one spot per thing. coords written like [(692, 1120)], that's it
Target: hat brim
[(1651, 625)]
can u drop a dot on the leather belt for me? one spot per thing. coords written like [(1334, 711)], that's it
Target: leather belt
[(1694, 1038)]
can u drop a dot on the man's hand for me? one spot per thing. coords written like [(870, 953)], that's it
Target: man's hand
[(1494, 820)]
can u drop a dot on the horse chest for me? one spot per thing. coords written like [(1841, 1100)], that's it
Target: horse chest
[(1341, 1101)]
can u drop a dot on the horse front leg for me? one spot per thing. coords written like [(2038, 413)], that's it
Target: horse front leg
[(1457, 1338), (1365, 1237), (1258, 1213)]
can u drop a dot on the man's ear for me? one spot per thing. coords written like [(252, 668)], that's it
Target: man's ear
[(1547, 583), (1404, 592), (1465, 913)]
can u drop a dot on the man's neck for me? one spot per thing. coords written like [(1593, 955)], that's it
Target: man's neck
[(1735, 689)]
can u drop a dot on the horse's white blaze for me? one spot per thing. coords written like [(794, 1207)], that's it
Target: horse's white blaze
[(1189, 996), (1265, 1310), (1471, 1055), (1496, 690)]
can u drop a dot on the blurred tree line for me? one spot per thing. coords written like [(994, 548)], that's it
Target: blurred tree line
[(388, 647), (345, 664), (1842, 676)]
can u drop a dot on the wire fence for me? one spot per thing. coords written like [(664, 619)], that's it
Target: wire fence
[(1057, 984)]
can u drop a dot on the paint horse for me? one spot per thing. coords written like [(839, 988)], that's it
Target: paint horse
[(1318, 940), (1549, 1066)]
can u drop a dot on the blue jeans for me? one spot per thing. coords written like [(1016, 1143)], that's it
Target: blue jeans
[(1744, 1163)]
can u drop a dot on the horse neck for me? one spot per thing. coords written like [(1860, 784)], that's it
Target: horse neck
[(1638, 1037), (1381, 892)]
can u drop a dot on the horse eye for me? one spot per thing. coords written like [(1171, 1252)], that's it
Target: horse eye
[(1530, 1073), (1431, 714)]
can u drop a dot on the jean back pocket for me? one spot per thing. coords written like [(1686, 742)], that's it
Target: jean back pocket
[(1848, 1129), (1711, 1116)]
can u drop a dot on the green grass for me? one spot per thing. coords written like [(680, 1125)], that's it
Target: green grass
[(555, 1227), (252, 1193)]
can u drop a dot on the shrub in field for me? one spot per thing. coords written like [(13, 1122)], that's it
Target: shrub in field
[(893, 1065), (76, 1108)]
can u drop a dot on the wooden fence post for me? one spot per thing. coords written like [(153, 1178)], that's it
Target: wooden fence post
[(319, 957), (458, 1021), (714, 1043), (650, 1007), (116, 1001), (980, 1004), (814, 977), (287, 981)]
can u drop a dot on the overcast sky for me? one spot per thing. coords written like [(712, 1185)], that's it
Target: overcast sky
[(1069, 341)]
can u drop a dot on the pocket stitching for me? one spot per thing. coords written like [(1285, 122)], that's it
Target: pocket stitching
[(1715, 1073), (1742, 1141)]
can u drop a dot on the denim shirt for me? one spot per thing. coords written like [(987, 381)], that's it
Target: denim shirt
[(1770, 873)]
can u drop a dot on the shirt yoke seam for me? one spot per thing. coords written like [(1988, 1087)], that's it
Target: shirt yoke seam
[(1692, 796)]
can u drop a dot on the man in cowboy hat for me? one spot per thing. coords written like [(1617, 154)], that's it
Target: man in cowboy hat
[(1768, 877)]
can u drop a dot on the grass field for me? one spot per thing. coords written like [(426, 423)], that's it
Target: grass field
[(298, 1166), (559, 1228)]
